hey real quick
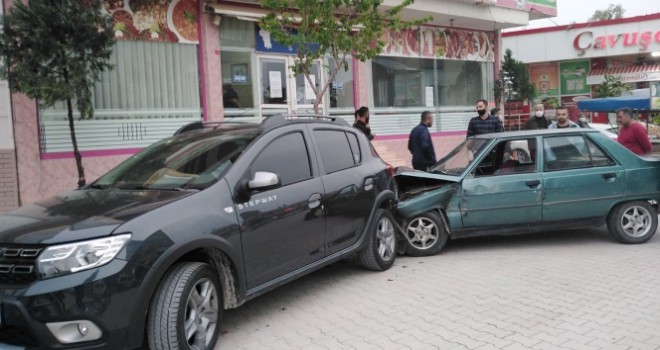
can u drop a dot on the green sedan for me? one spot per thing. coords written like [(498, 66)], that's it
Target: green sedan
[(529, 181)]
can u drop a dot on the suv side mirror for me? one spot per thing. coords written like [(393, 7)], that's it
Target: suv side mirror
[(263, 181)]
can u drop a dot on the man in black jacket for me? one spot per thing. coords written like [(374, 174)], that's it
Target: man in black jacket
[(362, 122), (420, 143)]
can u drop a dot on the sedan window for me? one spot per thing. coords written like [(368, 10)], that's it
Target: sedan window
[(460, 158), (572, 152), (509, 157)]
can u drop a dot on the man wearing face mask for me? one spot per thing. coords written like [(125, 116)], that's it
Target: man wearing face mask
[(537, 120), (484, 123), (562, 120)]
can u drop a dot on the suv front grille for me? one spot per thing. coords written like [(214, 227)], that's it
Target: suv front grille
[(18, 264)]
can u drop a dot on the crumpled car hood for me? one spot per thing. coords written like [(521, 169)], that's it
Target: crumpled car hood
[(79, 215)]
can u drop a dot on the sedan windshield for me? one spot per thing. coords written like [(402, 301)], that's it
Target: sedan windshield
[(460, 158), (189, 161)]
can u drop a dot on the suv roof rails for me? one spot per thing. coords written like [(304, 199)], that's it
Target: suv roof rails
[(204, 124), (281, 119)]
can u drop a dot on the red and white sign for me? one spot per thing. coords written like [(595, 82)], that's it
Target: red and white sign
[(626, 75), (587, 40)]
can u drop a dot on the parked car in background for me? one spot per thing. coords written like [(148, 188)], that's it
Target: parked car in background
[(529, 181), (153, 251), (609, 130)]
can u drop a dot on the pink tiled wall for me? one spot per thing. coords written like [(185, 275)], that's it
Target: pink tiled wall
[(210, 65), (8, 184), (39, 178), (394, 150)]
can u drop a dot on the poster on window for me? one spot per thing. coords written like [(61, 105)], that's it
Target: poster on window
[(163, 20), (309, 91), (573, 76), (275, 86), (445, 43), (545, 78), (654, 88)]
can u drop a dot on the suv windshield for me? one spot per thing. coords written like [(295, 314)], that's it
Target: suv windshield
[(194, 160), (460, 158)]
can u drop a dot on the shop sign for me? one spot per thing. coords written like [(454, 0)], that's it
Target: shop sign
[(573, 76), (444, 43), (587, 41), (266, 43), (547, 7), (632, 77), (167, 20), (545, 77)]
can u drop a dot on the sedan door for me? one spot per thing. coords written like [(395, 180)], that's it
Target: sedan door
[(580, 181), (505, 187)]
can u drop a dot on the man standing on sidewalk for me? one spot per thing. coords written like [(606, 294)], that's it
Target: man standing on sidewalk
[(562, 119), (420, 143), (484, 123), (632, 135)]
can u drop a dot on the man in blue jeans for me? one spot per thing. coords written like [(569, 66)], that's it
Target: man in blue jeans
[(420, 143)]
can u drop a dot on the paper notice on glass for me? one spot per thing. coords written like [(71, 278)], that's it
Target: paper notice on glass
[(309, 92), (429, 96), (275, 78)]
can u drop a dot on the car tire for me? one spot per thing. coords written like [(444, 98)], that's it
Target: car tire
[(380, 252), (425, 235), (186, 311), (633, 222)]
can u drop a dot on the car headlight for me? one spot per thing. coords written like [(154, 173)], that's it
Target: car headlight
[(74, 257)]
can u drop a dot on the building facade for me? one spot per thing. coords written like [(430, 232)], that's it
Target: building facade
[(179, 61), (567, 62)]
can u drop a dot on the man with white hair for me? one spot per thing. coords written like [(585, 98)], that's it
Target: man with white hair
[(537, 120)]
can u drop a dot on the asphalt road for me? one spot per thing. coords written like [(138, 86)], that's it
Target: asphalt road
[(556, 290)]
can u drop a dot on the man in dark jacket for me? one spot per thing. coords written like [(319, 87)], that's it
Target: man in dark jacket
[(420, 143)]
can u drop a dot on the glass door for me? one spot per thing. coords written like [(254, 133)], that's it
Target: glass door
[(274, 88), (305, 96), (284, 92)]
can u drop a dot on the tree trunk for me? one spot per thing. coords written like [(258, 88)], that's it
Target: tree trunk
[(74, 142)]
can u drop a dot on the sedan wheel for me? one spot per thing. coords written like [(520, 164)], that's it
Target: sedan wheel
[(425, 235), (633, 222)]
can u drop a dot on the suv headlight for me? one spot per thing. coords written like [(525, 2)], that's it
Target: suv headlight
[(74, 257)]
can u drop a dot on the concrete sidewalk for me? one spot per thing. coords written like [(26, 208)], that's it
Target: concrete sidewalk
[(558, 290)]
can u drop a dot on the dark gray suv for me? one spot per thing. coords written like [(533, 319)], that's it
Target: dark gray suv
[(153, 251)]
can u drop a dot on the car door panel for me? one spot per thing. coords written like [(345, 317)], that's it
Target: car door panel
[(348, 184), (282, 229), (501, 200), (579, 181), (581, 193)]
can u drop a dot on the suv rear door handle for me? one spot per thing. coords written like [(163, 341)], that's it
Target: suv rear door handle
[(368, 184), (533, 183), (314, 200)]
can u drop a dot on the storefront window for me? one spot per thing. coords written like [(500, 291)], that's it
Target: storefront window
[(237, 88), (236, 33), (461, 83), (401, 81), (421, 82), (341, 87), (152, 89)]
